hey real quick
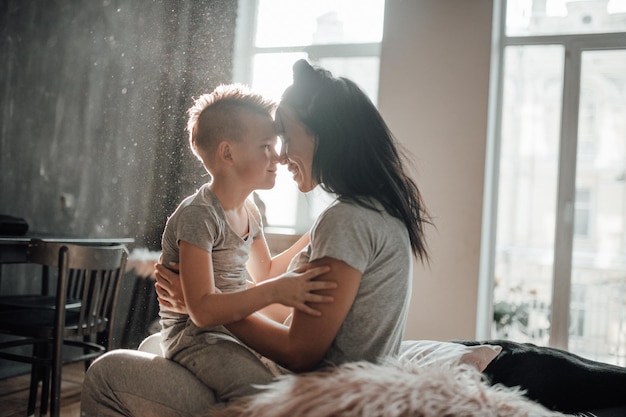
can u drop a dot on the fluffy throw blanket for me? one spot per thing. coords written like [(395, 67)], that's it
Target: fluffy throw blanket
[(393, 389)]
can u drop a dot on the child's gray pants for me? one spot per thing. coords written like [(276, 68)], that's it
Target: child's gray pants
[(132, 383)]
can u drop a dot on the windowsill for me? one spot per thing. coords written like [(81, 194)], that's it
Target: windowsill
[(280, 239), (281, 231)]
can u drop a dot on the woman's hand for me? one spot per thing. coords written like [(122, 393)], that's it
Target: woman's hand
[(297, 288), (168, 289)]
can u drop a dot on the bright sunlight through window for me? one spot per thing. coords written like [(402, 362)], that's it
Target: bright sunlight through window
[(342, 36)]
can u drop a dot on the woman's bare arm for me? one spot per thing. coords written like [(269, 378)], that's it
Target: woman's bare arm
[(303, 345), (262, 265)]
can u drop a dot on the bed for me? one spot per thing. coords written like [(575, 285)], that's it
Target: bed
[(428, 379)]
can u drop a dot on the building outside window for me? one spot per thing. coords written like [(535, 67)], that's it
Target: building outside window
[(342, 36)]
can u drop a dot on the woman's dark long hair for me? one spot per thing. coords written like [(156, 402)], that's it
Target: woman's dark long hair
[(356, 156)]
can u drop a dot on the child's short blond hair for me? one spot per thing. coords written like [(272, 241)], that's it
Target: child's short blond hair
[(215, 116)]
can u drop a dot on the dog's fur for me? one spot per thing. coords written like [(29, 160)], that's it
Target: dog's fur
[(392, 389)]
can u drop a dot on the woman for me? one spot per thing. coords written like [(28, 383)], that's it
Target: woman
[(334, 137)]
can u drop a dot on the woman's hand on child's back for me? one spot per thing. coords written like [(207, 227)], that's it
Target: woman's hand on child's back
[(298, 287)]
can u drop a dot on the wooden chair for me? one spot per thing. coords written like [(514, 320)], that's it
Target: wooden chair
[(89, 274), (43, 299)]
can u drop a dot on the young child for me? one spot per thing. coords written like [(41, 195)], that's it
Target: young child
[(216, 235)]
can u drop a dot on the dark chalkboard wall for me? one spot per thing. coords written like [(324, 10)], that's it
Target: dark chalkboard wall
[(92, 108)]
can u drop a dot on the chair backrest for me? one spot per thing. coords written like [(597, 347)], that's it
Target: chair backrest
[(90, 275)]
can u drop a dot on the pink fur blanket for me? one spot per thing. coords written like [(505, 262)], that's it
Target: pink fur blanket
[(394, 389)]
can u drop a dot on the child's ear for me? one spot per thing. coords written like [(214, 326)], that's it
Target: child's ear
[(224, 151)]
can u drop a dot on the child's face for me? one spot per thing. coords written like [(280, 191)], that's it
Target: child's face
[(257, 158)]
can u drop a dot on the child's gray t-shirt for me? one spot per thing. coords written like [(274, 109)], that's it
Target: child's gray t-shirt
[(200, 220)]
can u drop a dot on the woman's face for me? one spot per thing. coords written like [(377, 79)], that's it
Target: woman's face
[(298, 147)]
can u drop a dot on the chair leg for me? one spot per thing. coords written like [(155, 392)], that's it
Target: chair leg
[(87, 362), (38, 373), (45, 378), (45, 391), (35, 378), (55, 383), (51, 382)]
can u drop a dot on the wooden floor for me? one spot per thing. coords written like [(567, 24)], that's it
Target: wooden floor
[(14, 393)]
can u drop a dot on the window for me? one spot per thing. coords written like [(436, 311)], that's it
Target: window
[(558, 255), (583, 213), (342, 36), (562, 17)]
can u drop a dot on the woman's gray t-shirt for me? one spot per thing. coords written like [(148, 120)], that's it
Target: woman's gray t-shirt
[(376, 244)]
